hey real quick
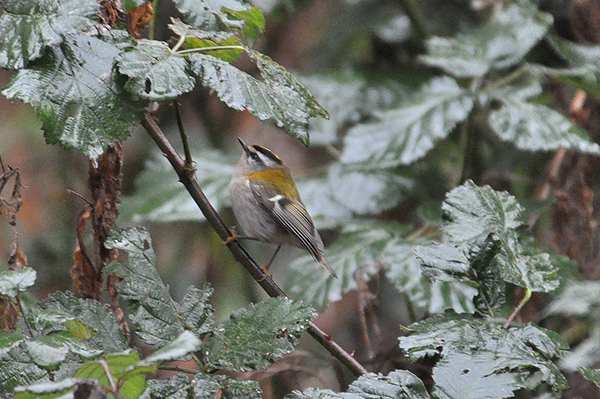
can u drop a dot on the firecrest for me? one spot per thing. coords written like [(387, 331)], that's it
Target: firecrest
[(267, 205)]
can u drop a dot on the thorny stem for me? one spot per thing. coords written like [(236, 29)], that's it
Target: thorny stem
[(239, 253), (515, 312)]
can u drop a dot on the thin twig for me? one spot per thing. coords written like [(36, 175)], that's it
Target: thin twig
[(22, 311), (184, 137), (186, 177), (179, 369), (109, 375), (518, 308)]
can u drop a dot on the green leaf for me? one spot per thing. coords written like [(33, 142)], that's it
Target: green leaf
[(199, 39), (160, 197), (580, 299), (253, 21), (129, 379), (207, 386), (17, 368), (64, 388), (252, 338), (78, 329), (50, 350), (27, 27), (397, 384), (367, 248), (196, 311), (405, 134), (473, 213), (349, 98), (183, 345), (211, 15), (485, 249), (278, 96), (499, 43), (8, 340), (155, 72), (480, 359), (174, 387), (14, 281), (532, 271), (154, 313), (94, 315), (535, 127), (584, 61), (77, 94), (372, 192), (591, 375)]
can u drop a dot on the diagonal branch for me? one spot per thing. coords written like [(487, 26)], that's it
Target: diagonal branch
[(186, 177)]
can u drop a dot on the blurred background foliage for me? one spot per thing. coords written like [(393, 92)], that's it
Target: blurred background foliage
[(422, 95)]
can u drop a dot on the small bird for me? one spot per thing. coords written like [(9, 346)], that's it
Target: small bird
[(268, 207)]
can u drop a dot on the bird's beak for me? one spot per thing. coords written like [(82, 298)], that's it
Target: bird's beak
[(244, 146)]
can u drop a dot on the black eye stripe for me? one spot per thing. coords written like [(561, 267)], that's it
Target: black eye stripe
[(268, 153)]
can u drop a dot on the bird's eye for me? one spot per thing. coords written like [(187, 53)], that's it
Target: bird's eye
[(254, 156)]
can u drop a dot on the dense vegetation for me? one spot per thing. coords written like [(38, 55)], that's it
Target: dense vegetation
[(450, 165)]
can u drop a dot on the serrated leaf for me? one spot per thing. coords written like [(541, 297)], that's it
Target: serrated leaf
[(252, 338), (253, 21), (371, 192), (155, 72), (51, 349), (196, 311), (366, 249), (480, 359), (535, 127), (278, 96), (14, 281), (209, 15), (499, 43), (474, 212), (77, 94), (27, 27), (44, 355), (485, 249), (591, 375), (532, 271), (17, 370), (51, 389), (207, 386), (8, 340), (94, 315), (154, 312), (181, 346), (130, 380), (579, 299), (349, 98), (78, 329), (174, 387), (161, 198), (406, 133), (584, 61), (397, 384)]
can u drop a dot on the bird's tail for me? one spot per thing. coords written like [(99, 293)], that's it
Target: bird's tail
[(326, 265)]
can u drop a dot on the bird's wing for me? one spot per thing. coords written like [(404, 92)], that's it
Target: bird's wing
[(291, 214)]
